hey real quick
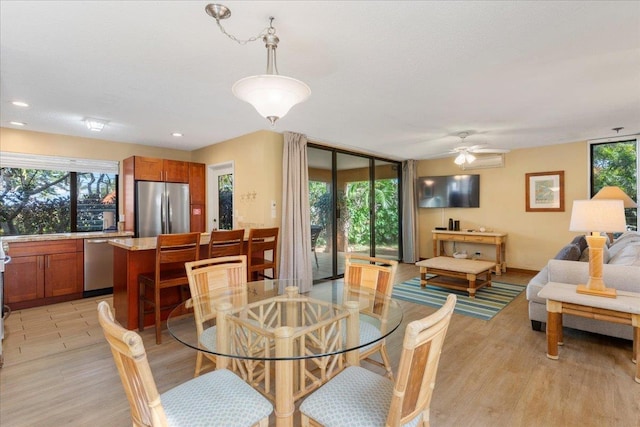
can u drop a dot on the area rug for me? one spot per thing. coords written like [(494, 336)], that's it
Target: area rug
[(487, 303)]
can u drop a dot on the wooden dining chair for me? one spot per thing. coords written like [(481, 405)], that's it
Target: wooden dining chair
[(172, 251), (376, 275), (357, 396), (218, 398), (261, 241), (208, 277), (226, 243)]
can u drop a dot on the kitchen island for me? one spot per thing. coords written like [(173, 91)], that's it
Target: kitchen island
[(130, 258)]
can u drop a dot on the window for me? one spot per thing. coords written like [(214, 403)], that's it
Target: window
[(615, 163), (41, 195)]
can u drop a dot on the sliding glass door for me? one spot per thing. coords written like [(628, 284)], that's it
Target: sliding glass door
[(355, 208)]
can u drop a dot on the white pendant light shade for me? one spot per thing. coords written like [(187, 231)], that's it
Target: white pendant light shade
[(460, 159), (272, 95)]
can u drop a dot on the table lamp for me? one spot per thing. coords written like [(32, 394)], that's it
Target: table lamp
[(596, 216)]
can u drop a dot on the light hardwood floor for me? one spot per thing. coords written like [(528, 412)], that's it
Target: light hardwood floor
[(59, 371)]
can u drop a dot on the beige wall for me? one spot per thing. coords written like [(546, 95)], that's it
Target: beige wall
[(534, 237), (49, 144), (257, 159)]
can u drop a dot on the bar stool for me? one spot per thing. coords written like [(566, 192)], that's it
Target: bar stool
[(226, 243), (262, 240), (172, 251)]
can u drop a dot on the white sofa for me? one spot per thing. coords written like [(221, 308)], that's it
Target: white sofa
[(622, 271)]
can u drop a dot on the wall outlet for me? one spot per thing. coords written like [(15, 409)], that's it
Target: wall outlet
[(477, 253)]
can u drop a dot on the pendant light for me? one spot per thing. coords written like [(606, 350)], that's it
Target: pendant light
[(271, 94)]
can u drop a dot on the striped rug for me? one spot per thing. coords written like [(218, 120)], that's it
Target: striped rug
[(487, 303)]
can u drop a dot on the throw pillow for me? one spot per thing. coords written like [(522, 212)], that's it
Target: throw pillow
[(581, 241), (571, 252)]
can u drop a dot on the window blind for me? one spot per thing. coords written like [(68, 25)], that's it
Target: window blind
[(68, 164)]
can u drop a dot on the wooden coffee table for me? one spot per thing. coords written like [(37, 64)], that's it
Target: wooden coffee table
[(466, 273)]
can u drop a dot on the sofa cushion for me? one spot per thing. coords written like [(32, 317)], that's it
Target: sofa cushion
[(629, 255), (621, 277), (628, 238), (571, 252)]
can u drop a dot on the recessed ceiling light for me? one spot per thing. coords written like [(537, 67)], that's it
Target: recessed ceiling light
[(18, 123), (176, 134), (20, 104), (95, 125)]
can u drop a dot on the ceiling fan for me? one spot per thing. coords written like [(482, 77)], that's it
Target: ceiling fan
[(465, 153)]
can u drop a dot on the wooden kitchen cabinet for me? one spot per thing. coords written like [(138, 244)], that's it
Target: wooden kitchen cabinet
[(152, 169), (44, 272), (197, 194), (197, 190)]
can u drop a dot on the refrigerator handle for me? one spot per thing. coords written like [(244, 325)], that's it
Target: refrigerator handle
[(163, 214), (169, 216)]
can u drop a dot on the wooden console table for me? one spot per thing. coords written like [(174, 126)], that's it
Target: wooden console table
[(499, 240), (562, 298)]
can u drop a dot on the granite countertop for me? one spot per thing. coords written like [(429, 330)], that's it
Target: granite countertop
[(146, 243), (64, 236)]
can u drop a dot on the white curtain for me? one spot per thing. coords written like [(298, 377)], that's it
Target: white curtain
[(410, 243), (295, 233)]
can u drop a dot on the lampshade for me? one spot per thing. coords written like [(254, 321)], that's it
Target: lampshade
[(272, 95), (597, 215), (615, 193)]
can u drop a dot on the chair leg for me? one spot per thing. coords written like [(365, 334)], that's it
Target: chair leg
[(156, 310), (141, 306), (386, 361), (316, 255), (198, 363)]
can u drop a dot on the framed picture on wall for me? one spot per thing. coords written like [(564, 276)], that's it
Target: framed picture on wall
[(544, 191)]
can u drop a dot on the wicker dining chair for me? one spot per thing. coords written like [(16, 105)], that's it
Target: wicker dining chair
[(206, 277), (376, 275), (172, 251), (226, 243), (357, 396), (219, 398)]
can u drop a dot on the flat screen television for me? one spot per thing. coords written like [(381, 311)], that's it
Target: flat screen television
[(452, 191)]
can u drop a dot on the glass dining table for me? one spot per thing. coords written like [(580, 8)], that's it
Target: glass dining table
[(282, 342)]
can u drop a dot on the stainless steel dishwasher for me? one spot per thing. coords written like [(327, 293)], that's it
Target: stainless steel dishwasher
[(98, 266)]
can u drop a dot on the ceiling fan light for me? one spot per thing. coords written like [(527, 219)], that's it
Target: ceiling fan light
[(272, 95), (470, 158), (460, 159)]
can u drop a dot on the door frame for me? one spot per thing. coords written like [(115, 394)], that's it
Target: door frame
[(213, 172)]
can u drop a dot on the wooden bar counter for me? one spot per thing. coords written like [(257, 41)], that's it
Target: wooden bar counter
[(130, 258)]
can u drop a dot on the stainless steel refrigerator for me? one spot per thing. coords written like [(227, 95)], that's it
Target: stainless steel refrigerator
[(161, 208)]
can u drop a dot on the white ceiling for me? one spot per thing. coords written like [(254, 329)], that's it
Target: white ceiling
[(400, 79)]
